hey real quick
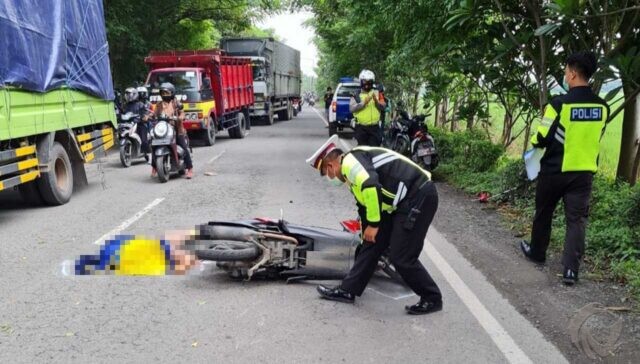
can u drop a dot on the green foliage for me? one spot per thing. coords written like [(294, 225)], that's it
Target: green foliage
[(136, 27), (470, 149)]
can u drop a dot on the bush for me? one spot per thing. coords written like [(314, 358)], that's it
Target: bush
[(469, 149)]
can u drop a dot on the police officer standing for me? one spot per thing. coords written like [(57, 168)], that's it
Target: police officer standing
[(397, 202), (367, 108), (570, 133)]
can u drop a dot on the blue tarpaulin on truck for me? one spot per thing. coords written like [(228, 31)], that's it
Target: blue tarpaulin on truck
[(49, 44)]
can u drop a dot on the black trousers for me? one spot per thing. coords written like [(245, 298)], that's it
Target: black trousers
[(405, 247), (181, 140), (370, 135), (143, 132), (575, 190)]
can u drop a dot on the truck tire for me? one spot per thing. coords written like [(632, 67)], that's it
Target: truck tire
[(284, 115), (239, 131), (209, 134), (31, 194), (56, 185)]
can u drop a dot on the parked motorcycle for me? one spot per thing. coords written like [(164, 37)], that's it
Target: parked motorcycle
[(130, 142), (167, 156), (278, 249), (411, 137)]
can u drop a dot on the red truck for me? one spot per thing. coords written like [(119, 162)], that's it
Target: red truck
[(215, 90)]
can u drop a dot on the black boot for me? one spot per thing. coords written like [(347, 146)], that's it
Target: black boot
[(569, 277), (424, 307), (335, 294), (526, 250)]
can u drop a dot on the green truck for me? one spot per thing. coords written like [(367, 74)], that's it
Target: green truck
[(56, 97)]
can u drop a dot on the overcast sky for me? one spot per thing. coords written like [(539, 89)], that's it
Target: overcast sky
[(289, 28)]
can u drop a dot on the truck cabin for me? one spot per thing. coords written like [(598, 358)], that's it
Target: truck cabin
[(260, 68), (192, 84)]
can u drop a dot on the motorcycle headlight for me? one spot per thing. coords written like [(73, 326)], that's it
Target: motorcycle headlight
[(160, 130)]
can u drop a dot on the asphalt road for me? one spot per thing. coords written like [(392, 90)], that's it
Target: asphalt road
[(49, 316)]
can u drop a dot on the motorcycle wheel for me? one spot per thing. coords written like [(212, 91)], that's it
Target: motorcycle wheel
[(125, 153), (163, 167), (228, 251)]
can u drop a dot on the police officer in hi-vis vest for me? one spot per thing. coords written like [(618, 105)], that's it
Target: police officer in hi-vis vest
[(397, 202), (367, 108), (570, 133)]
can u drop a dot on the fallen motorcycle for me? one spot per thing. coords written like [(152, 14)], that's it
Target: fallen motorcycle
[(278, 249)]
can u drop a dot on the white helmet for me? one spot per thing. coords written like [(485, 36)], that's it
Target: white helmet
[(366, 75), (131, 94), (143, 93)]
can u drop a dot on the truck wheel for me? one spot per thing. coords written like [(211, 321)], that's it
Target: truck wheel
[(163, 167), (31, 194), (209, 134), (56, 185), (239, 131)]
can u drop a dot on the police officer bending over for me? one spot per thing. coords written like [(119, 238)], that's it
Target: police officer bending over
[(397, 202), (570, 133)]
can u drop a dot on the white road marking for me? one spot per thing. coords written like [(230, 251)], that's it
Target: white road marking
[(129, 221), (321, 116), (496, 332), (216, 157), (392, 297)]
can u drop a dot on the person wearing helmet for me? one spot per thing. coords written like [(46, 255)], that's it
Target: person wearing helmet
[(367, 108), (134, 105), (143, 96), (170, 106)]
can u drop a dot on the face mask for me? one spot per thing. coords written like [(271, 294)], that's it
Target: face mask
[(565, 84), (166, 98), (335, 182)]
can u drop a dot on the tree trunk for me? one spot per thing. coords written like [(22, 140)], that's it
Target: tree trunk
[(630, 137), (470, 121), (443, 111), (435, 119), (454, 120), (415, 102), (506, 129), (527, 135)]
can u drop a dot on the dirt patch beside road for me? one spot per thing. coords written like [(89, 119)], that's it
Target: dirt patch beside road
[(483, 237)]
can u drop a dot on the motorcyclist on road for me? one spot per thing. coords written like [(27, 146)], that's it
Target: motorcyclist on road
[(134, 105), (171, 107), (368, 114)]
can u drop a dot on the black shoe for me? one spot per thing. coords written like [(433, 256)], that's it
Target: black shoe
[(335, 294), (424, 307), (526, 250), (569, 277)]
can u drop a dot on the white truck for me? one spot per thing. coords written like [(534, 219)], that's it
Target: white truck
[(277, 78)]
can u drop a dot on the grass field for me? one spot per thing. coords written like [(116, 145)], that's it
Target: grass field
[(609, 147)]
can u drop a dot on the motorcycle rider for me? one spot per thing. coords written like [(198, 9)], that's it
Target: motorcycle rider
[(397, 202), (170, 107), (368, 130), (134, 105)]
